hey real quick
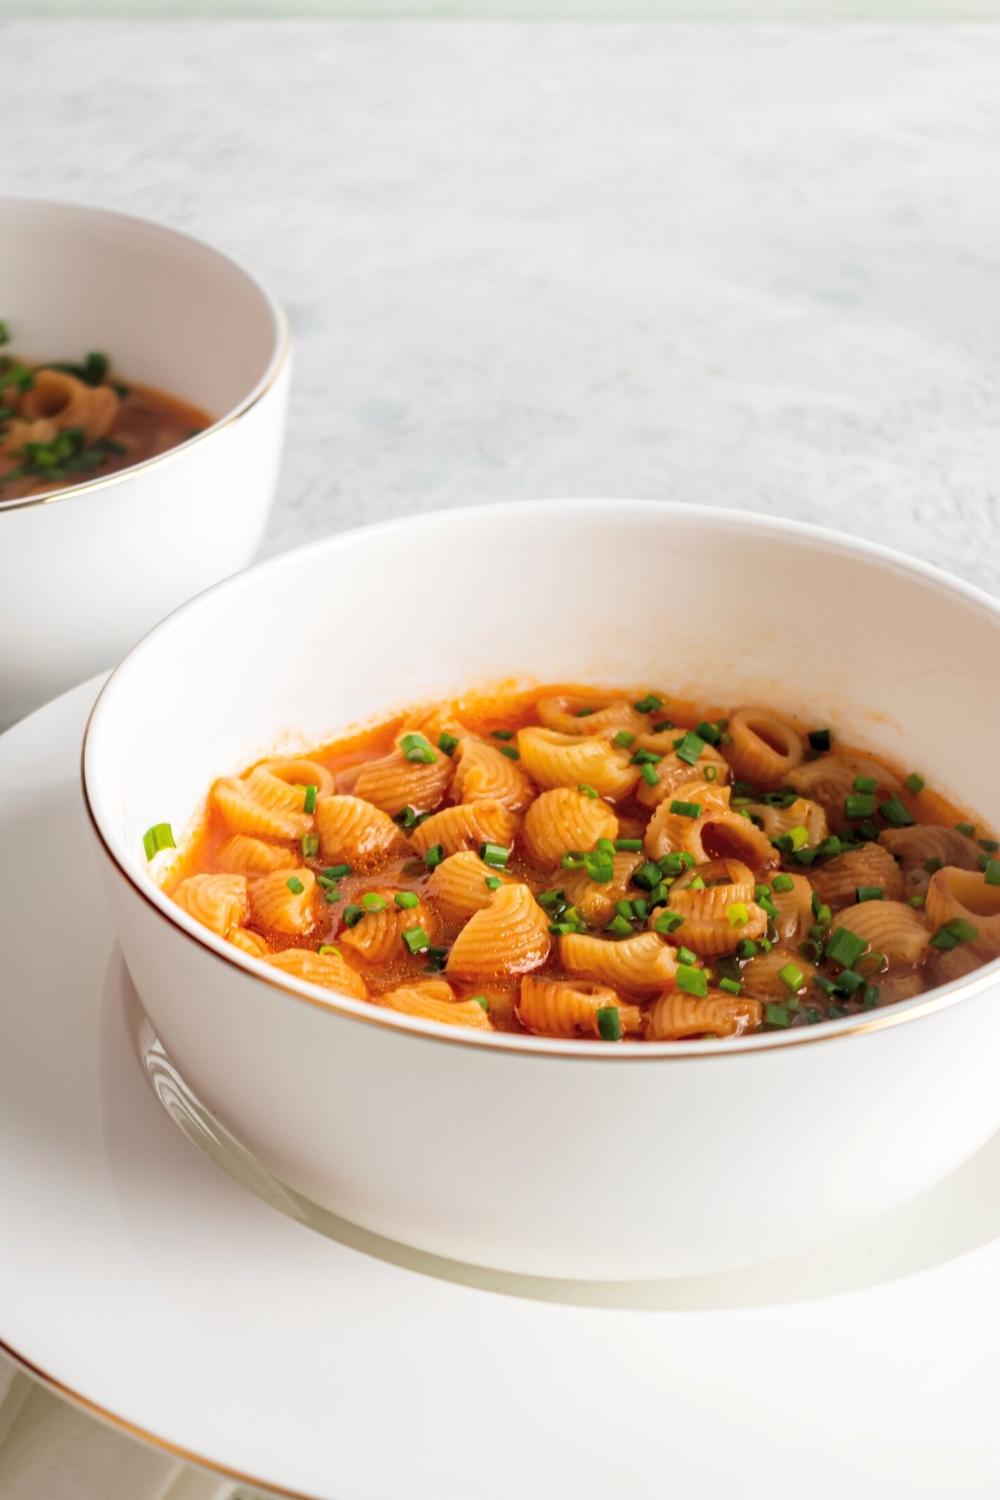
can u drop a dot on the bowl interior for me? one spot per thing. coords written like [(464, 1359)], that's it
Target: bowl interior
[(720, 607), (170, 311)]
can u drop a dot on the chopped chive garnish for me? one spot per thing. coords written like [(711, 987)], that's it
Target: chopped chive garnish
[(914, 783), (697, 884), (737, 913), (372, 901), (708, 732), (685, 956), (550, 898), (584, 713), (649, 774), (434, 856), (848, 982), (447, 742), (295, 885), (690, 747), (619, 926), (309, 805), (646, 758), (792, 976), (623, 739), (746, 948), (685, 809), (676, 862), (811, 950), (870, 998), (870, 893), (777, 1015), (159, 836), (416, 939), (794, 840), (845, 947), (406, 900), (510, 751), (783, 883), (859, 804), (819, 739), (335, 872), (954, 932), (731, 986), (667, 921), (310, 846), (329, 948), (918, 902), (990, 845), (646, 876), (649, 704), (693, 981), (436, 959), (480, 1000), (588, 790), (969, 829), (992, 872), (895, 813), (624, 909), (663, 726), (628, 846), (599, 866), (571, 860), (609, 1023), (352, 914), (866, 784), (492, 882), (503, 734), (417, 748), (933, 865), (494, 854)]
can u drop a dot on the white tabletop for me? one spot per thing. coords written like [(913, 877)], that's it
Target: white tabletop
[(738, 266)]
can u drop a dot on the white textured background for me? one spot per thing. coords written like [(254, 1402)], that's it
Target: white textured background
[(749, 266)]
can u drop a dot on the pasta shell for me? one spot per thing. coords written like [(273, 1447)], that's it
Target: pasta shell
[(673, 773), (275, 905), (275, 792), (762, 975), (244, 855), (830, 779), (326, 969), (242, 812), (354, 832), (17, 433), (482, 772), (794, 909), (716, 833), (719, 882), (430, 1003), (965, 895), (948, 964), (432, 721), (836, 882), (467, 826), (300, 772), (913, 846), (639, 965), (762, 747), (707, 928), (562, 820), (57, 396), (904, 986), (248, 942), (378, 937), (218, 902), (510, 937), (573, 714), (676, 1016), (392, 782), (459, 888), (594, 901), (553, 760), (559, 1007), (888, 927), (777, 821)]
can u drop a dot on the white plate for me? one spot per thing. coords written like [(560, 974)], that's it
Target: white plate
[(146, 1283)]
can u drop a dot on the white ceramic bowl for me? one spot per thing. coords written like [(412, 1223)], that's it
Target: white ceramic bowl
[(85, 570), (542, 1156)]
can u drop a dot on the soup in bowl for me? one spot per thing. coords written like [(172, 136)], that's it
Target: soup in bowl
[(143, 385), (805, 1037)]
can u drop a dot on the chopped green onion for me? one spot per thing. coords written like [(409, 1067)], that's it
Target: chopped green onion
[(416, 939), (335, 872), (372, 901), (623, 739), (329, 948), (792, 976), (619, 926), (870, 998), (295, 885), (492, 882), (309, 805), (746, 948), (667, 921), (609, 1023), (969, 829), (436, 959), (310, 846), (777, 1015), (599, 866), (628, 846), (845, 947), (584, 713), (914, 783), (480, 1000), (510, 752), (731, 986), (547, 898), (352, 914), (624, 909), (848, 982), (495, 855), (434, 856), (685, 809), (811, 950), (502, 734), (588, 790), (690, 748), (954, 932), (663, 726), (685, 956), (417, 749), (992, 872), (708, 732), (407, 817), (869, 893), (737, 913), (159, 836), (645, 758), (795, 839), (990, 845), (859, 804), (649, 774), (819, 739), (866, 784), (406, 900), (649, 704), (447, 742), (894, 812), (693, 981), (783, 883), (933, 865)]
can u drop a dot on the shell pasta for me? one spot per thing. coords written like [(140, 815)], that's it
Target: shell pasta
[(595, 866)]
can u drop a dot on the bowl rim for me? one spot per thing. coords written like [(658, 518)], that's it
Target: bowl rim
[(278, 359), (511, 1043)]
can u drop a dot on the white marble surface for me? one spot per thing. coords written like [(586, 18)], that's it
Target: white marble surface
[(751, 266), (746, 266)]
